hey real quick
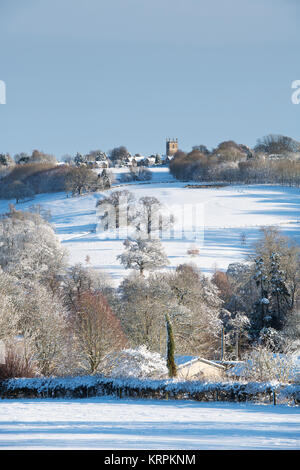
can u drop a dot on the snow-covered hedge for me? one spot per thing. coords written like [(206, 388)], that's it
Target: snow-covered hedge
[(90, 386)]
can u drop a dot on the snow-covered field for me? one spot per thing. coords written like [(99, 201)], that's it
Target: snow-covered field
[(228, 221), (108, 423)]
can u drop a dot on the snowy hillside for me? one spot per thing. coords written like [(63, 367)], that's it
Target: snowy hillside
[(228, 221)]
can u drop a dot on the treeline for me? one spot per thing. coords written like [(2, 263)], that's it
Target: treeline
[(25, 175), (23, 181), (275, 159)]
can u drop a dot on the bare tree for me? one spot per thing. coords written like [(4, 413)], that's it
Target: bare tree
[(80, 279), (277, 144), (120, 202), (97, 330), (81, 179), (118, 154)]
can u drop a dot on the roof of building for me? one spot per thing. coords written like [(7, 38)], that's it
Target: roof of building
[(183, 361)]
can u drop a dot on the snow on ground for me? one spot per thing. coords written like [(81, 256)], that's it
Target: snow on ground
[(107, 423), (228, 221)]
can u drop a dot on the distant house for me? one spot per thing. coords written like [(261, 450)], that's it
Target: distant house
[(102, 163), (166, 159), (197, 368), (133, 162), (149, 161)]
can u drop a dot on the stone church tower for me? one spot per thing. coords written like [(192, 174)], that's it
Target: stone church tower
[(171, 147)]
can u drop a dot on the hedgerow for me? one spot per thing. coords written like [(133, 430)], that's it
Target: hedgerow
[(93, 386)]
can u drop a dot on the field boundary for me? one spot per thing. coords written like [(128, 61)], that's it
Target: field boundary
[(93, 386)]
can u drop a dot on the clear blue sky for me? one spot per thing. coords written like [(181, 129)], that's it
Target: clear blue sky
[(84, 75)]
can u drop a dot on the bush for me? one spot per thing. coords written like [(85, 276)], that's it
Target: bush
[(136, 174), (16, 366), (263, 365), (139, 362)]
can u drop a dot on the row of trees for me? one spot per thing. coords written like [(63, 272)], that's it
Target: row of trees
[(116, 156), (23, 158), (275, 159), (24, 181)]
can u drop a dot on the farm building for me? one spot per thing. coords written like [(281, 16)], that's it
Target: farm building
[(197, 368)]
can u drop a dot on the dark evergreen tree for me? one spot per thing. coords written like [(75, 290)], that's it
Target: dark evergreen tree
[(170, 349), (280, 294), (261, 315)]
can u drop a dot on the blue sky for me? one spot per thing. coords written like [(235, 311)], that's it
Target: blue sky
[(83, 75)]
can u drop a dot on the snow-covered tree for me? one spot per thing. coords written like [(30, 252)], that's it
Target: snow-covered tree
[(279, 291), (42, 325), (146, 214), (143, 255), (189, 299), (106, 179), (240, 324), (273, 241), (35, 316), (136, 363), (274, 300), (141, 306), (6, 160), (196, 324), (30, 249), (79, 159), (80, 279), (8, 311), (273, 340), (261, 307)]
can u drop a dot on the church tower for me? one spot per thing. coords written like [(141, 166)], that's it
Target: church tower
[(171, 147)]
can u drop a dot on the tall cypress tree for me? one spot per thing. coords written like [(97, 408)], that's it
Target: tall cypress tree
[(261, 306), (170, 349)]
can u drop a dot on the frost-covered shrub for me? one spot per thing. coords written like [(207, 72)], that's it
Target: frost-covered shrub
[(139, 363), (136, 174), (263, 365)]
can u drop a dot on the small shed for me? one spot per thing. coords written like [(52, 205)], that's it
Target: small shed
[(197, 368)]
